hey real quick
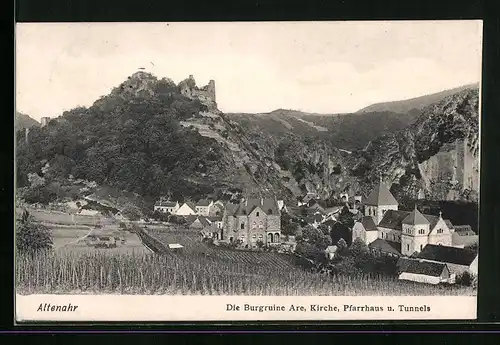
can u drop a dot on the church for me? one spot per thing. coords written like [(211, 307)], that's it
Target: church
[(403, 232)]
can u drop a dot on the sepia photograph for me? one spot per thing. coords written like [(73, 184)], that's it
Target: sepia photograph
[(247, 170)]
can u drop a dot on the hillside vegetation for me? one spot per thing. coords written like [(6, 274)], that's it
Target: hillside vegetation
[(147, 138)]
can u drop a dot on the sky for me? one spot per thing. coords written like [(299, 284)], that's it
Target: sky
[(319, 67)]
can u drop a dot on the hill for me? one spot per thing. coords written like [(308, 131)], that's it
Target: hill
[(417, 103), (24, 121), (345, 131), (154, 138)]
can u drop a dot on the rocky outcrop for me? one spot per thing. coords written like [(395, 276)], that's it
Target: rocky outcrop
[(437, 157)]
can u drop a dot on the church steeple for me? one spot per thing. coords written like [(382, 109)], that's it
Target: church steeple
[(379, 201)]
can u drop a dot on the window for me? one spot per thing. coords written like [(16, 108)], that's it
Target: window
[(440, 231), (408, 247), (421, 246), (257, 214), (269, 211), (242, 225), (421, 231)]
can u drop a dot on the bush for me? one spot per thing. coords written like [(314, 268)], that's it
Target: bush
[(30, 236), (465, 279)]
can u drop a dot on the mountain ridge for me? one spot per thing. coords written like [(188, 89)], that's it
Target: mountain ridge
[(420, 102)]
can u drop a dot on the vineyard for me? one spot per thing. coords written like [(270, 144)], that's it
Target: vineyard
[(198, 268)]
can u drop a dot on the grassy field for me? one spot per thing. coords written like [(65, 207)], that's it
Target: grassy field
[(68, 233)]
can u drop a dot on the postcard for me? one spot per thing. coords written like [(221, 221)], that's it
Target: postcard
[(252, 171)]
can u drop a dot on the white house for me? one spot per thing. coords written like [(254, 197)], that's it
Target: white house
[(166, 206), (203, 206)]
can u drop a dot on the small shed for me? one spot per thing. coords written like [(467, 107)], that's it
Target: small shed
[(175, 246)]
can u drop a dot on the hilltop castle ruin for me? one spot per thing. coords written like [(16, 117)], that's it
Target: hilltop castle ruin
[(205, 94)]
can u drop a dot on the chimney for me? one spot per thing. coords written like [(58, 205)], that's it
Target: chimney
[(246, 202), (261, 201)]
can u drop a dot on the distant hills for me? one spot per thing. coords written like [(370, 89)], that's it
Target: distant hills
[(25, 121), (417, 103)]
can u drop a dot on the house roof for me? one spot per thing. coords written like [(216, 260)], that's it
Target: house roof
[(464, 230), (231, 208), (314, 218), (333, 209), (449, 224), (386, 246), (381, 195), (368, 223), (204, 221), (166, 203), (465, 241), (452, 255), (433, 269), (203, 202), (415, 218), (191, 205), (269, 206), (215, 218)]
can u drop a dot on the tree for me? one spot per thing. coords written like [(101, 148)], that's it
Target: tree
[(316, 237), (30, 236), (132, 212)]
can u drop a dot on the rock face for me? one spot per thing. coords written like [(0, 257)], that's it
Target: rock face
[(437, 157)]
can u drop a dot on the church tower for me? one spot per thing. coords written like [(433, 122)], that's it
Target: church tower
[(379, 202), (415, 233)]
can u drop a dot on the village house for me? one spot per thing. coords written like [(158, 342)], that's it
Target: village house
[(187, 209), (217, 209), (306, 199), (458, 260), (422, 271), (203, 206), (412, 230), (166, 206), (464, 236), (252, 220)]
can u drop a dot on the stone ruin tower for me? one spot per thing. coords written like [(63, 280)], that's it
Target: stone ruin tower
[(211, 90)]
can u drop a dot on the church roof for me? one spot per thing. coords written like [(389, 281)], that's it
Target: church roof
[(415, 218), (386, 246), (368, 223), (393, 219), (380, 196)]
